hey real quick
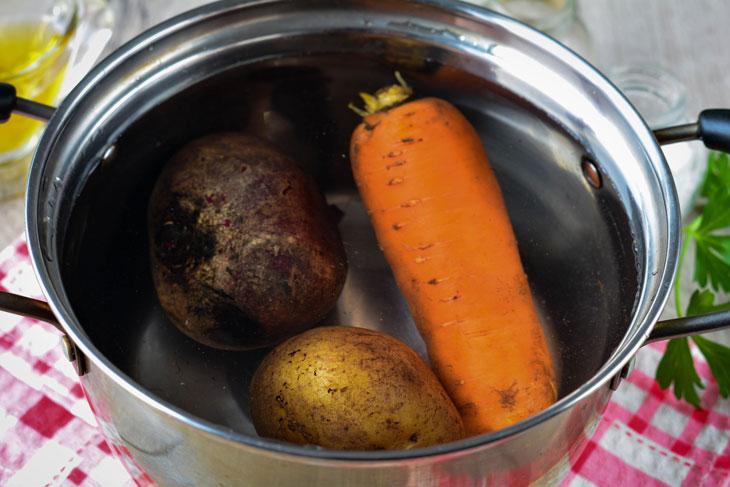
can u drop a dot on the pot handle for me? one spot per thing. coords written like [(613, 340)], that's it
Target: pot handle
[(712, 126), (39, 310), (11, 103), (689, 325)]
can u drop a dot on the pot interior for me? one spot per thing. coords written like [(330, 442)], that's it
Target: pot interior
[(583, 248)]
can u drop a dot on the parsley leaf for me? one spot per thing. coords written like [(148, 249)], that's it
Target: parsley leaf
[(716, 354), (712, 253), (676, 367), (709, 232), (717, 177), (703, 302), (711, 260), (718, 358)]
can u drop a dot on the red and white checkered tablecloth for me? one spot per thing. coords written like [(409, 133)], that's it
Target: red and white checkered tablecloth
[(49, 437), (48, 434)]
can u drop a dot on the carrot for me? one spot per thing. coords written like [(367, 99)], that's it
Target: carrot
[(441, 221)]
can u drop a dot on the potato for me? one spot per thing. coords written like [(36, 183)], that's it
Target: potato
[(244, 250), (349, 388)]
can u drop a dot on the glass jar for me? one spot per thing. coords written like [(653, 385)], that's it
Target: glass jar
[(661, 99), (45, 47), (557, 18)]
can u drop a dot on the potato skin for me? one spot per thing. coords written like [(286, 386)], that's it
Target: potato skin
[(349, 388), (244, 252)]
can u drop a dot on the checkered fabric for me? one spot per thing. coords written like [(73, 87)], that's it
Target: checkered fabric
[(49, 436), (649, 438)]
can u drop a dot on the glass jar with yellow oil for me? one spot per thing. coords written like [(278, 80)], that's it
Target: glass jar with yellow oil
[(34, 55)]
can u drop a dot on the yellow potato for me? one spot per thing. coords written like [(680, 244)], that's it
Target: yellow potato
[(350, 388)]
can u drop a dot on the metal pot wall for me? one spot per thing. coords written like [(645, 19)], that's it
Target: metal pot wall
[(588, 190)]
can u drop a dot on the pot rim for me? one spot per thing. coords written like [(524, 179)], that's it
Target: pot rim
[(638, 330)]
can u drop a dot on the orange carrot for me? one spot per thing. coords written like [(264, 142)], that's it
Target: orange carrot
[(439, 216)]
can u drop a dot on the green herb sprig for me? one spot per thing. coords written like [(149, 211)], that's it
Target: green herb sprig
[(710, 233)]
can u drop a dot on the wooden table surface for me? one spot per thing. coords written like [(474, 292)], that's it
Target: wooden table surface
[(687, 37)]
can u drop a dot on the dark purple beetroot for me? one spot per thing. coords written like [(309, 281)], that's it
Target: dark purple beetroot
[(244, 250)]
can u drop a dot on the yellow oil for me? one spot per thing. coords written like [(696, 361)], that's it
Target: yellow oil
[(33, 58)]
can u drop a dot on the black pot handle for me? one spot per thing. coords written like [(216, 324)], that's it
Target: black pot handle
[(10, 103), (689, 325), (7, 101), (714, 129), (712, 126)]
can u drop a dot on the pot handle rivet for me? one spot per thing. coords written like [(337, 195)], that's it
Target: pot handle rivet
[(73, 355), (591, 173), (68, 348), (623, 373)]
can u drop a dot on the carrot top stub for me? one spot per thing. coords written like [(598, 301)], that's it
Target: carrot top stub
[(383, 99), (440, 218)]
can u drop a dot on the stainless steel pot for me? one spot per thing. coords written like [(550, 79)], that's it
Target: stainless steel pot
[(586, 184)]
